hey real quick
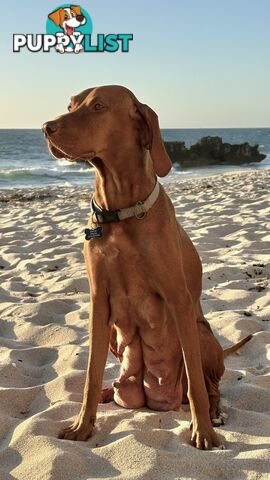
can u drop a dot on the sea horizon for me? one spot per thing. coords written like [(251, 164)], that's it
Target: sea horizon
[(162, 128), (26, 163)]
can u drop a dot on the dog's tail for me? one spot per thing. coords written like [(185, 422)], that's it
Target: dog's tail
[(236, 346)]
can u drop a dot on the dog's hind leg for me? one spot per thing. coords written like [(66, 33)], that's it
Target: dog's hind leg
[(107, 395), (213, 368), (127, 390)]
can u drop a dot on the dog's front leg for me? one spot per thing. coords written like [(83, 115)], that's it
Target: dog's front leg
[(99, 334), (203, 434)]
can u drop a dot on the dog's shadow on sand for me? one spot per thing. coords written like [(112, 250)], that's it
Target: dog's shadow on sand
[(14, 460), (171, 447)]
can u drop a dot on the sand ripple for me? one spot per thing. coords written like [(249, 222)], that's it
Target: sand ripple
[(43, 338)]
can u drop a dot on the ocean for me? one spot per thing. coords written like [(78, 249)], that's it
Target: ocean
[(25, 161)]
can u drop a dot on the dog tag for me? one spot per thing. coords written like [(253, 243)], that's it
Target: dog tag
[(93, 232)]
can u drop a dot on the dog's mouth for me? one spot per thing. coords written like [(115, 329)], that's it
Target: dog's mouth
[(69, 30), (58, 152)]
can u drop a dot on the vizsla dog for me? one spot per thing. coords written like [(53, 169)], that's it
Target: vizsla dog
[(145, 274)]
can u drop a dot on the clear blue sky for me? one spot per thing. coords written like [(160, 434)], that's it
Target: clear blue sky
[(198, 63)]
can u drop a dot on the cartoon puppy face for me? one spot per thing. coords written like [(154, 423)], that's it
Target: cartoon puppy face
[(68, 18)]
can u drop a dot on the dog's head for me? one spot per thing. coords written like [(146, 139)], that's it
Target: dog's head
[(104, 124), (68, 18)]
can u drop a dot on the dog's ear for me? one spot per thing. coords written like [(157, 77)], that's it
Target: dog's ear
[(150, 138), (76, 9), (56, 16)]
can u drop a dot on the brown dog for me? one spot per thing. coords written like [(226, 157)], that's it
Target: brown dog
[(145, 274)]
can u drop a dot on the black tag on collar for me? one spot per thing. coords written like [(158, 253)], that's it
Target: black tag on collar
[(93, 232)]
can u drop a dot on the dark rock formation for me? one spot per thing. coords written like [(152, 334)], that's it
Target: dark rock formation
[(212, 151)]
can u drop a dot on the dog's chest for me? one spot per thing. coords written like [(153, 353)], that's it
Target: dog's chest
[(124, 261), (125, 264), (142, 309)]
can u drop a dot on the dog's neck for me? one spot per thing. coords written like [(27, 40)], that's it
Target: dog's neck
[(122, 184)]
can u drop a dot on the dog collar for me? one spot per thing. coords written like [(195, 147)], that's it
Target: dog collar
[(139, 210)]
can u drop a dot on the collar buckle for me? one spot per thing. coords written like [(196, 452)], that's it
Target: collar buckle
[(139, 210), (107, 216), (103, 216)]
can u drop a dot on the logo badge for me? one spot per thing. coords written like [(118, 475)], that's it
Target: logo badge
[(69, 30), (69, 21)]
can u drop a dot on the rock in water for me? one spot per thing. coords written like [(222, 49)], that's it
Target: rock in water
[(212, 151)]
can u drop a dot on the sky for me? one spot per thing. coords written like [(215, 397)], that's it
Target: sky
[(197, 63)]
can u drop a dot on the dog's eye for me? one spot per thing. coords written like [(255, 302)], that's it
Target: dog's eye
[(98, 106), (66, 16)]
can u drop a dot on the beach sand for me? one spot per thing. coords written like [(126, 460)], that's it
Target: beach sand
[(44, 339)]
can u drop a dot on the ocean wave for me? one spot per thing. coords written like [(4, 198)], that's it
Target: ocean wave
[(41, 172), (63, 162), (38, 177)]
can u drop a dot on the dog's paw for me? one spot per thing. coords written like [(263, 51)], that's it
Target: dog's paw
[(78, 48), (60, 48), (107, 395), (77, 431), (205, 438)]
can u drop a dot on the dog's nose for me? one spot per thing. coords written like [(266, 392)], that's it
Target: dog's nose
[(80, 18), (49, 128)]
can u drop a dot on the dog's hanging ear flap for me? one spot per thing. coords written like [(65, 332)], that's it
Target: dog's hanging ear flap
[(151, 139), (76, 9), (55, 17)]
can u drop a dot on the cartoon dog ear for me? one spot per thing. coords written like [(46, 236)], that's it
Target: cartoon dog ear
[(76, 8), (56, 16), (150, 138)]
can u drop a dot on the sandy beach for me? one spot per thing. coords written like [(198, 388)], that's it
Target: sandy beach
[(44, 339)]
